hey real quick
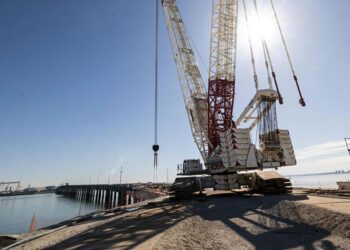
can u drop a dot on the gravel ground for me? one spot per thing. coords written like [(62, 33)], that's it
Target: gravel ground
[(229, 222)]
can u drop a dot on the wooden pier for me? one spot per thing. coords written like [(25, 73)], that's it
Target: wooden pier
[(107, 196)]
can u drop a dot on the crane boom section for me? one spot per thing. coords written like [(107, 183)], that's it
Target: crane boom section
[(222, 67), (193, 91), (223, 40)]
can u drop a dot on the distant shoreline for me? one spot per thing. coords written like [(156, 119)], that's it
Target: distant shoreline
[(327, 173), (18, 193)]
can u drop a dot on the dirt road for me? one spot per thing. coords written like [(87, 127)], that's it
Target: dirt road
[(232, 222)]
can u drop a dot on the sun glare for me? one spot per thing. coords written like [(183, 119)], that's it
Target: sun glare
[(263, 28), (261, 24)]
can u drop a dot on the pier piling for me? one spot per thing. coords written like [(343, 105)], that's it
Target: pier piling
[(106, 196)]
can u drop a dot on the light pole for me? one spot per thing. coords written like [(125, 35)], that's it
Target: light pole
[(167, 176), (121, 171), (109, 175), (98, 176)]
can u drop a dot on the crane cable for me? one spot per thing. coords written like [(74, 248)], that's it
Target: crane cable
[(256, 81), (280, 98), (263, 44), (155, 146), (268, 60), (301, 100)]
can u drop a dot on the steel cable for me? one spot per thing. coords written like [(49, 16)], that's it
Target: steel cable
[(301, 100), (256, 81)]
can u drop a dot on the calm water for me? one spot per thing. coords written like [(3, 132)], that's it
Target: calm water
[(16, 212), (319, 181)]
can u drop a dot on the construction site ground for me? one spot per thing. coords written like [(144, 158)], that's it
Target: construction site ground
[(221, 221)]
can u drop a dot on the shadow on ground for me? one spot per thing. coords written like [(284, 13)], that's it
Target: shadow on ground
[(264, 222), (129, 231), (277, 225)]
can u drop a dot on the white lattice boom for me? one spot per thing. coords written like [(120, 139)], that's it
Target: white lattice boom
[(194, 94), (223, 40)]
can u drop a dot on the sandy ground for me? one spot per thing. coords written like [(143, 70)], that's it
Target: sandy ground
[(334, 204), (221, 222)]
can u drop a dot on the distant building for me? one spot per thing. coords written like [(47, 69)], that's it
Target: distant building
[(30, 190), (50, 188)]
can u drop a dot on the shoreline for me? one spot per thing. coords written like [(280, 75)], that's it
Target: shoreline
[(60, 208), (151, 218), (17, 238), (321, 192)]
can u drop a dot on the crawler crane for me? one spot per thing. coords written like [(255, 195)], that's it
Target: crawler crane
[(231, 160)]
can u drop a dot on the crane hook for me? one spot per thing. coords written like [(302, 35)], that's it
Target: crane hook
[(155, 148)]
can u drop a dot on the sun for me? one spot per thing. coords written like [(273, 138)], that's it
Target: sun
[(261, 24), (262, 28)]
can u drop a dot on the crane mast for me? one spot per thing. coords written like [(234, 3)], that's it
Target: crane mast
[(221, 83), (193, 91)]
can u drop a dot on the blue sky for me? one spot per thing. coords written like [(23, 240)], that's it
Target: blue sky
[(76, 87)]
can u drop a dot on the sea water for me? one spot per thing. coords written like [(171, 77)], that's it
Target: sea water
[(16, 212), (319, 180)]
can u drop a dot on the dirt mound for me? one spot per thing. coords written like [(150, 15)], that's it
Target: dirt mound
[(335, 223)]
